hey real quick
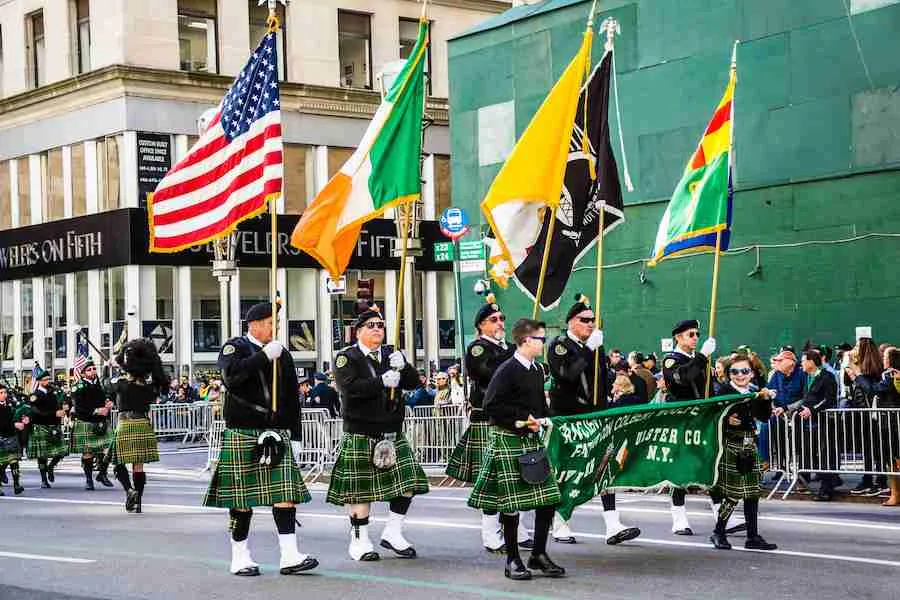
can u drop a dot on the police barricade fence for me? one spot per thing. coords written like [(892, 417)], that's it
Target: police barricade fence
[(189, 421), (846, 441)]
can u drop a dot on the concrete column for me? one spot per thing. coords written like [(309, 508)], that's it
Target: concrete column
[(429, 204), (235, 304), (147, 309), (71, 316), (39, 311), (95, 298), (133, 301), (91, 182), (234, 36), (37, 189), (430, 329), (14, 192), (17, 325), (183, 325), (68, 209), (281, 286), (128, 170), (390, 306)]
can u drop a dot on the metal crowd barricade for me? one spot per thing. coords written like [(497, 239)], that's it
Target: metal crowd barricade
[(849, 441), (433, 438), (214, 443), (189, 421), (315, 442)]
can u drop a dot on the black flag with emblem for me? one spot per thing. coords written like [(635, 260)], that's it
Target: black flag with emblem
[(577, 226)]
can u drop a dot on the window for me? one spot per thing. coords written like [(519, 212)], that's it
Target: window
[(55, 308), (197, 35), (206, 310), (53, 201), (79, 184), (81, 36), (298, 177), (7, 320), (409, 33), (27, 323), (24, 191), (35, 50), (1, 62), (259, 16), (108, 153), (302, 286), (443, 197), (5, 196), (355, 49)]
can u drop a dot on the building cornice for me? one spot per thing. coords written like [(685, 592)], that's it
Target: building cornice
[(116, 81), (495, 6)]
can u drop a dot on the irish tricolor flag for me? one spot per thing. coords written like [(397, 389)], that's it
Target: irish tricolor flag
[(383, 172)]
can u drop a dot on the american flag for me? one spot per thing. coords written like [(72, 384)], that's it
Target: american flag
[(81, 357), (35, 370), (232, 170)]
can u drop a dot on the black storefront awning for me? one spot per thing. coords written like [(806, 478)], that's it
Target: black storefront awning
[(120, 237)]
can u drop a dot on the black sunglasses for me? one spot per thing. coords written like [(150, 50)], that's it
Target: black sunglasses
[(692, 334), (495, 318), (743, 371), (586, 320), (375, 325)]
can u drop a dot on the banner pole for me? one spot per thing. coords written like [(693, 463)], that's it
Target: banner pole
[(713, 305), (274, 25), (406, 210), (544, 260), (598, 295)]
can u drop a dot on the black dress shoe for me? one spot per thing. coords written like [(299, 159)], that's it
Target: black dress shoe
[(370, 557), (737, 528), (565, 540), (50, 476), (45, 485), (103, 478), (308, 564), (547, 567), (719, 541), (89, 486), (758, 543), (500, 550), (685, 531), (406, 553), (527, 544), (248, 572), (18, 490), (131, 500), (629, 533), (516, 571)]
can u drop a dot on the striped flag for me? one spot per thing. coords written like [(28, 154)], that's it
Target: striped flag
[(233, 169), (383, 171), (700, 207), (81, 357)]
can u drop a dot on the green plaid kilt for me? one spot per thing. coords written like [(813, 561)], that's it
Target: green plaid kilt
[(42, 445), (355, 480), (241, 482), (134, 443), (11, 456), (500, 487), (465, 462), (83, 439), (732, 483)]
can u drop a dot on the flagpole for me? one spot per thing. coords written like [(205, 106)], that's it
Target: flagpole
[(598, 296), (544, 260), (274, 25), (713, 305)]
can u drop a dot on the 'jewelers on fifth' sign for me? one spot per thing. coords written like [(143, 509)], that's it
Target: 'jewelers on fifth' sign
[(69, 246)]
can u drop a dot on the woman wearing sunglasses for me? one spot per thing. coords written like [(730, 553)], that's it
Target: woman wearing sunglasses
[(739, 468)]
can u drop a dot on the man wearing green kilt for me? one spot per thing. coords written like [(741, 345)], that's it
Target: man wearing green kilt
[(12, 422), (375, 462), (515, 474), (739, 468), (487, 352), (135, 441), (91, 434), (45, 442), (256, 463)]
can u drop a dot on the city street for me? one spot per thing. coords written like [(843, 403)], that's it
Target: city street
[(67, 544)]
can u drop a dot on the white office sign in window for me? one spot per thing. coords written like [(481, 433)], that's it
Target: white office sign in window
[(336, 286)]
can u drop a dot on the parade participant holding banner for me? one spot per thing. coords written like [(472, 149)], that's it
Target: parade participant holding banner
[(256, 465), (91, 434), (135, 441), (11, 423), (487, 352), (516, 474), (571, 358), (375, 462), (739, 467), (46, 439), (684, 371)]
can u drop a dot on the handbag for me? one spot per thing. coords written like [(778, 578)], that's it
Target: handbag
[(384, 455), (534, 467), (9, 444), (100, 428)]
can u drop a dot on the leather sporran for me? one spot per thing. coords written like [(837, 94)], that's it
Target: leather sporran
[(55, 435), (534, 467), (384, 455), (269, 449), (100, 428)]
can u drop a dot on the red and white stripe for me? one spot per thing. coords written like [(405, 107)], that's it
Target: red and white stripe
[(217, 185)]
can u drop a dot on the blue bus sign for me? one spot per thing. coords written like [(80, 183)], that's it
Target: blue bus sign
[(454, 223)]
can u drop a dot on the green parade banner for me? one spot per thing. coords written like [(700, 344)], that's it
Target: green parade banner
[(637, 447)]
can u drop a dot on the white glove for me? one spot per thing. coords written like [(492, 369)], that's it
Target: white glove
[(595, 340), (397, 360), (273, 349), (390, 379), (708, 347)]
